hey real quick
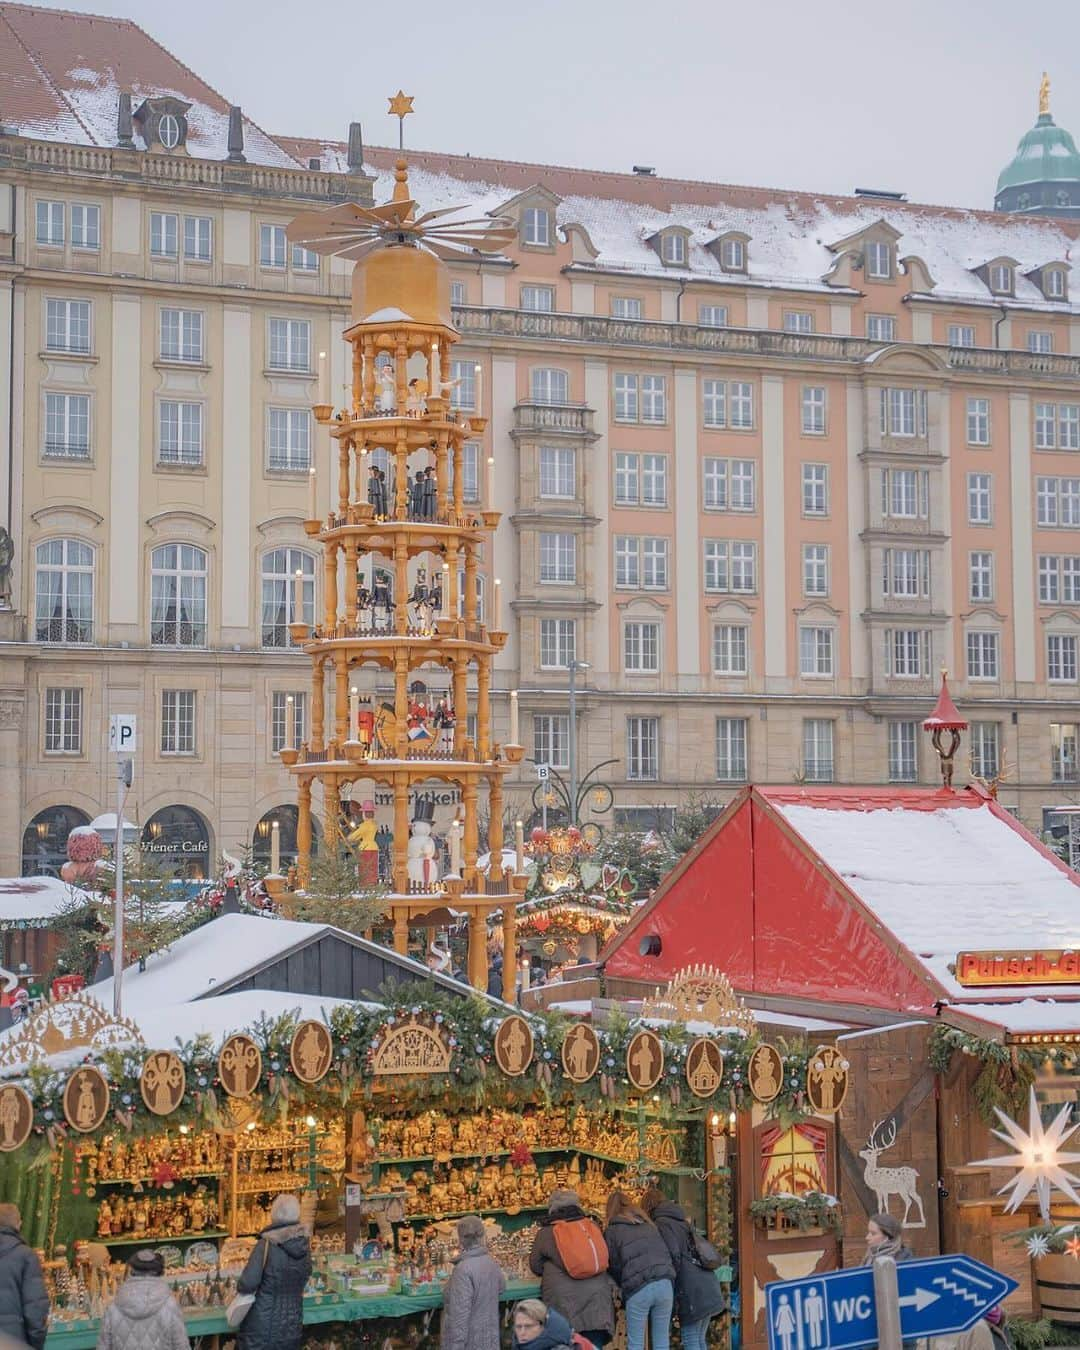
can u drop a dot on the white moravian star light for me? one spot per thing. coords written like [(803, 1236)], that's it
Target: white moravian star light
[(1039, 1159)]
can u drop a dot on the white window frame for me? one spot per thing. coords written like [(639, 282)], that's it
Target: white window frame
[(980, 576), (548, 385), (279, 718), (86, 227), (1061, 658), (630, 307), (961, 335), (814, 403), (561, 548), (903, 751), (69, 414), (50, 220), (881, 327), (980, 498), (1055, 284), (288, 344), (181, 436), (643, 749), (536, 227), (733, 255), (1002, 278), (68, 325), (196, 230), (978, 421), (982, 653), (642, 640), (164, 234), (288, 440), (273, 247), (537, 299), (815, 570), (179, 584), (277, 594), (1065, 765), (673, 250), (819, 749), (712, 316), (907, 653), (304, 260), (62, 721), (879, 260), (984, 737), (556, 643), (457, 294), (178, 729), (731, 649), (188, 325), (798, 321), (817, 651), (64, 583), (557, 472), (815, 486), (551, 739), (731, 744), (906, 573), (463, 389), (1040, 341)]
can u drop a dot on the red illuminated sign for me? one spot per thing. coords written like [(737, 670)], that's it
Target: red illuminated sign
[(1031, 967)]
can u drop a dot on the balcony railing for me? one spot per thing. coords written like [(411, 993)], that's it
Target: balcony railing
[(599, 330), (572, 418)]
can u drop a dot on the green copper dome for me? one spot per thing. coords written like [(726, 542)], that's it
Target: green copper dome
[(1046, 154)]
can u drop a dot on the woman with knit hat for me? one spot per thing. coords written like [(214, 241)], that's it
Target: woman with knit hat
[(144, 1315)]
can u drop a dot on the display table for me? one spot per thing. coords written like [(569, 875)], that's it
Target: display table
[(83, 1335)]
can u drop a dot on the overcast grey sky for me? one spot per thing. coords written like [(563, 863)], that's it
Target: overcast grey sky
[(928, 97)]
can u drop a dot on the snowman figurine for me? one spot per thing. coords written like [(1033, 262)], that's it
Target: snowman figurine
[(423, 869)]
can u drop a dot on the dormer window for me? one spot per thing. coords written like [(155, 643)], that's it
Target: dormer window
[(536, 227), (733, 255), (1054, 280), (673, 249), (879, 260), (1001, 278), (168, 129)]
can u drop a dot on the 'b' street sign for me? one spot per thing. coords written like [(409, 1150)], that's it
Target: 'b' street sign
[(838, 1311)]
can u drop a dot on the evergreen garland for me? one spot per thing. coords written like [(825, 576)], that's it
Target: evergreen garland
[(1007, 1072)]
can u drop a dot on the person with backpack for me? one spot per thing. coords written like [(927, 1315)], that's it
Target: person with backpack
[(540, 1327), (698, 1294), (24, 1303), (571, 1257), (470, 1317), (640, 1264), (144, 1315)]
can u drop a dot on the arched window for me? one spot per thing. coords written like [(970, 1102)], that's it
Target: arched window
[(550, 386), (64, 591), (279, 569), (44, 845), (178, 596), (178, 839), (261, 840)]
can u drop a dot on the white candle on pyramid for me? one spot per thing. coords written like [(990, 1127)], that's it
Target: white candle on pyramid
[(275, 849), (490, 484), (354, 713), (497, 617), (479, 401), (290, 723), (435, 373), (324, 378), (298, 597), (519, 846), (313, 495)]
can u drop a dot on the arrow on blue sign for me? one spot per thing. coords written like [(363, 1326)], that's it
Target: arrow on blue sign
[(838, 1311)]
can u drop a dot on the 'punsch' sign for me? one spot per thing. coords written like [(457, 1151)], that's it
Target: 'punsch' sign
[(1031, 967)]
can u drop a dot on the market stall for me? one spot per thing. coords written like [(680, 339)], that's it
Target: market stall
[(391, 1114)]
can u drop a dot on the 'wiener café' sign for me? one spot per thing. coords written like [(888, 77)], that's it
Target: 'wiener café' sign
[(1031, 967)]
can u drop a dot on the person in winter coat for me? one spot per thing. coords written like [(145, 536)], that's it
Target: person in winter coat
[(144, 1315), (276, 1273), (639, 1263), (698, 1295), (540, 1327), (470, 1318), (24, 1304), (883, 1239), (587, 1304)]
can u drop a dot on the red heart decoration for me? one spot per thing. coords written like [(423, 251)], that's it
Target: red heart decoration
[(626, 884), (609, 875)]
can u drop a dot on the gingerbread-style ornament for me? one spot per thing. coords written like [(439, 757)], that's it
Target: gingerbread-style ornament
[(513, 1045), (827, 1079), (162, 1082), (645, 1060), (240, 1066), (86, 1099), (581, 1053), (311, 1051), (704, 1067), (766, 1073), (16, 1117)]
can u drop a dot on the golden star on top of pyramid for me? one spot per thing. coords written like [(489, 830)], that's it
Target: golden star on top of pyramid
[(401, 104)]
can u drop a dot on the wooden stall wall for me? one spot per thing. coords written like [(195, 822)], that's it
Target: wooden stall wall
[(887, 1139)]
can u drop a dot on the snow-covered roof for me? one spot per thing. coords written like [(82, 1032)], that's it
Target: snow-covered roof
[(1026, 1016), (62, 75), (33, 900), (220, 1017), (958, 877)]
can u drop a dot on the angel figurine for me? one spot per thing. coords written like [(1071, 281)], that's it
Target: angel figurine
[(387, 388), (416, 402)]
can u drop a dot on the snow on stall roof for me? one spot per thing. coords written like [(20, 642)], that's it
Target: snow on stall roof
[(220, 1017), (947, 880), (1027, 1014), (200, 961), (36, 898)]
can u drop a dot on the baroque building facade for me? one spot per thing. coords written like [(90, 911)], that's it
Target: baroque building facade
[(766, 462)]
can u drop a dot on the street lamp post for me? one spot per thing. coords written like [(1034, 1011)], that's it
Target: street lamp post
[(573, 666)]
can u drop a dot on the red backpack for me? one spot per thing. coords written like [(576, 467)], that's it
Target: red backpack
[(581, 1247)]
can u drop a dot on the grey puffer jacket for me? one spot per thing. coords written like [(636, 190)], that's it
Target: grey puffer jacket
[(24, 1303), (470, 1317), (143, 1316), (586, 1304), (470, 1303), (698, 1293), (276, 1273)]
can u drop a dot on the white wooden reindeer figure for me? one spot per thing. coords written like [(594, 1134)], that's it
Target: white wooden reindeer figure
[(888, 1181)]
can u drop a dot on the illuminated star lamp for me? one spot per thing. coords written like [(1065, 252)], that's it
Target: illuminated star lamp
[(1039, 1160)]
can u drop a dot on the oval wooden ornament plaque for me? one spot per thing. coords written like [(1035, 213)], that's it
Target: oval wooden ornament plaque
[(16, 1117), (580, 1053), (514, 1045), (644, 1060), (240, 1066), (311, 1051), (162, 1082), (86, 1099)]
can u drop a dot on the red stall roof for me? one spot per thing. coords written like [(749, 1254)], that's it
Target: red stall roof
[(855, 897)]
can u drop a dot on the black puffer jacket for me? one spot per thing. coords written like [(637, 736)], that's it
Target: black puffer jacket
[(637, 1254), (555, 1334), (587, 1304), (275, 1320), (698, 1293), (24, 1304)]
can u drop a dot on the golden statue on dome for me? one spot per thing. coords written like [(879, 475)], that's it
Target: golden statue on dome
[(1044, 95), (402, 576)]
